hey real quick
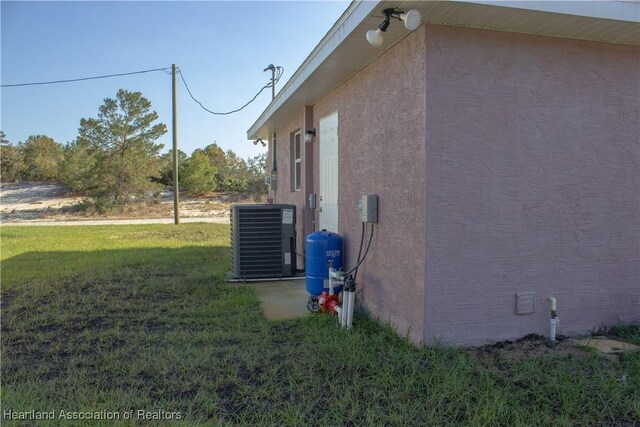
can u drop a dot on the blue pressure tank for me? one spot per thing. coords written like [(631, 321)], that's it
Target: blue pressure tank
[(322, 247)]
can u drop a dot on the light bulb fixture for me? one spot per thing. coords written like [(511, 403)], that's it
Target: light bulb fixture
[(309, 134), (411, 19), (259, 141), (375, 37)]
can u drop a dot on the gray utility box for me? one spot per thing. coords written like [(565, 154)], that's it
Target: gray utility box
[(369, 208), (263, 241)]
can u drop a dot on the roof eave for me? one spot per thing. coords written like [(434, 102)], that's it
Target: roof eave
[(295, 91), (352, 17)]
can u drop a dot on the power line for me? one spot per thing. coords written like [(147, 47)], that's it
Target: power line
[(87, 78), (279, 72), (268, 85)]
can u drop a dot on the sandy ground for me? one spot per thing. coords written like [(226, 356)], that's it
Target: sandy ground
[(114, 221), (49, 204)]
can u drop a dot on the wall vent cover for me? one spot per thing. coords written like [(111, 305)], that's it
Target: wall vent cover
[(262, 241)]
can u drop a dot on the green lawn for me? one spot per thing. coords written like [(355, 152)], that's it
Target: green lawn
[(122, 318)]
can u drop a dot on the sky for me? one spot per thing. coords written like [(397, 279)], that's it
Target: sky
[(221, 48)]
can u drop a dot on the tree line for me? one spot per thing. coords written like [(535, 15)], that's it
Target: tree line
[(115, 158)]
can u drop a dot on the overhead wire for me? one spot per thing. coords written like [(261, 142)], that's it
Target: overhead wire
[(277, 75), (85, 78), (279, 72)]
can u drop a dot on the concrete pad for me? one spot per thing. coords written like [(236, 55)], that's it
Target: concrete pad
[(606, 345), (282, 299)]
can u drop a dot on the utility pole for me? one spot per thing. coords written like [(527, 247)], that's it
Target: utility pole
[(273, 83), (272, 147), (273, 80), (176, 207)]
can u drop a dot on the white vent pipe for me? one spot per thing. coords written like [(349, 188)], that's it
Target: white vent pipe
[(554, 320)]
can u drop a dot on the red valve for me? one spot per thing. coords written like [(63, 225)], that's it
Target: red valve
[(328, 303)]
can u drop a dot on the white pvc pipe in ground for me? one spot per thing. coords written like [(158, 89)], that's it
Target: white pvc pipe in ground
[(340, 314), (331, 280), (351, 296), (345, 309), (554, 320), (552, 333)]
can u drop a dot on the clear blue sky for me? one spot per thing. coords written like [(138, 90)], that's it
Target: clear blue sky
[(221, 47)]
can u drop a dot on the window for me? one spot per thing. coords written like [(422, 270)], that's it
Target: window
[(273, 178), (296, 162)]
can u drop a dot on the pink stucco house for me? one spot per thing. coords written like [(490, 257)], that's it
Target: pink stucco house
[(503, 141)]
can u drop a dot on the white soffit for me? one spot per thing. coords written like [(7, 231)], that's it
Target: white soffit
[(344, 51)]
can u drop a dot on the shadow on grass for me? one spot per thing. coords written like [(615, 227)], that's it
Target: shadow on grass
[(41, 268), (126, 329)]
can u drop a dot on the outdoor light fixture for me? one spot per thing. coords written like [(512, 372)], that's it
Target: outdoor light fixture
[(309, 134), (411, 19), (259, 141)]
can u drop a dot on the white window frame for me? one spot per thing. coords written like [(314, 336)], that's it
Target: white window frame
[(296, 148)]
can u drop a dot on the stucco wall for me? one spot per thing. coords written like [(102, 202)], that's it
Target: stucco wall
[(381, 133), (532, 183), (284, 193)]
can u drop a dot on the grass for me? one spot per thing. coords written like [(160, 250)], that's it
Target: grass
[(125, 318)]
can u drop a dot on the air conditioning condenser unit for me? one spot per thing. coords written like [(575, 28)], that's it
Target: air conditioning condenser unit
[(263, 241)]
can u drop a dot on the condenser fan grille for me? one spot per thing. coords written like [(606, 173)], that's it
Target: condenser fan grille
[(262, 239)]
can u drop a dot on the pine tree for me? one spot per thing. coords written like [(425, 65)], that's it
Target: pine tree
[(11, 161), (123, 140), (42, 158), (198, 176)]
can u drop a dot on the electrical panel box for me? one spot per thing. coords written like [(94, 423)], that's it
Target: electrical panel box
[(369, 208), (312, 201)]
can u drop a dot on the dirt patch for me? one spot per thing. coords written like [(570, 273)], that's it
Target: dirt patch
[(532, 345), (46, 202)]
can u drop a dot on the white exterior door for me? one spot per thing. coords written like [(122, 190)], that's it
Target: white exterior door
[(328, 196)]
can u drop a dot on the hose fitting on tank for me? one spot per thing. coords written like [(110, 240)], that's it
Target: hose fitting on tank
[(337, 275)]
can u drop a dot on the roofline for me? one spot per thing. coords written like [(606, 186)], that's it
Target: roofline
[(359, 10), (621, 10), (351, 18)]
